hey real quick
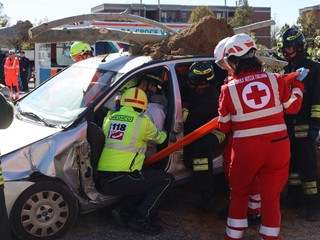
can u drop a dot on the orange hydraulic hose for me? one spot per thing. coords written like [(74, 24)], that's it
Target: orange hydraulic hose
[(199, 132)]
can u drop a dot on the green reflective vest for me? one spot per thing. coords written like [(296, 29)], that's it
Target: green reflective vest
[(127, 133)]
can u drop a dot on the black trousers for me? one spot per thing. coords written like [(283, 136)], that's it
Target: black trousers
[(144, 191), (24, 80), (202, 148), (304, 162), (4, 221)]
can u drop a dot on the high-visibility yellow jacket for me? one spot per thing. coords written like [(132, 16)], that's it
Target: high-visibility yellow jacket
[(127, 133)]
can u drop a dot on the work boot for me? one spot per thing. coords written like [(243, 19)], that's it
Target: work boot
[(254, 219), (145, 226), (120, 216)]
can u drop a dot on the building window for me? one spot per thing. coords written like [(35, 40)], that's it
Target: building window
[(219, 15), (164, 17), (184, 15)]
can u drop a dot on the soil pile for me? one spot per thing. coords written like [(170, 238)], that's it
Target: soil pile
[(199, 39)]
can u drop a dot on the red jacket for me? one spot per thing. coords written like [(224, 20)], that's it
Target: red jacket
[(11, 68), (252, 104)]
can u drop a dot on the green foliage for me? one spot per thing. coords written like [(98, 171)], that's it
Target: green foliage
[(198, 13), (242, 16), (4, 19)]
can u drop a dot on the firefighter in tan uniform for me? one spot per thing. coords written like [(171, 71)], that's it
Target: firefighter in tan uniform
[(127, 132), (251, 105)]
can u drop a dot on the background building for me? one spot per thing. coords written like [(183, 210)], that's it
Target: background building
[(180, 14)]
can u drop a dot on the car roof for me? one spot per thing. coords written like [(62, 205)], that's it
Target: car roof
[(125, 62)]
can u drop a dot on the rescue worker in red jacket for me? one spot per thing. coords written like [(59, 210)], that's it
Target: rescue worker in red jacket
[(254, 204), (127, 132), (11, 72), (303, 126), (251, 106), (200, 98)]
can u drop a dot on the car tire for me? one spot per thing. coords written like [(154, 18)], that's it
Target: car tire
[(45, 210)]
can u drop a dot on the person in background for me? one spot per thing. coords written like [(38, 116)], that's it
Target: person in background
[(80, 51), (6, 118), (24, 71), (200, 100), (303, 126), (2, 61), (251, 106), (11, 72), (120, 165)]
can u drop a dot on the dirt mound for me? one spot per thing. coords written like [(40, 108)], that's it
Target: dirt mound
[(199, 39)]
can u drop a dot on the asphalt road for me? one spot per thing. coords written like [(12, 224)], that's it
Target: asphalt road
[(182, 219)]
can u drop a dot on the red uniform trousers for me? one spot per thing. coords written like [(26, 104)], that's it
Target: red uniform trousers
[(254, 204), (266, 157)]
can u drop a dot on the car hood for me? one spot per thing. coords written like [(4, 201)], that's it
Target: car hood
[(24, 133)]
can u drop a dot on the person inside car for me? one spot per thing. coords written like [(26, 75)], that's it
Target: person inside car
[(152, 85), (127, 131)]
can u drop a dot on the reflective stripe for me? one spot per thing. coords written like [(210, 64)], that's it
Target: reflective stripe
[(301, 134), (254, 205), (269, 231), (256, 197), (275, 88), (235, 98), (235, 234), (199, 168), (293, 97), (220, 135), (237, 223), (294, 182), (257, 114), (200, 164), (315, 111), (259, 131), (301, 127), (294, 175), (225, 119), (310, 188), (200, 161)]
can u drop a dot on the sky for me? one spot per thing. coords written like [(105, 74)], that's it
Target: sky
[(282, 11)]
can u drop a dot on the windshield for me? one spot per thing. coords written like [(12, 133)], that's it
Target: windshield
[(60, 100)]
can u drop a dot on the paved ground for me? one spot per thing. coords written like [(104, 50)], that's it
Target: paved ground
[(182, 219)]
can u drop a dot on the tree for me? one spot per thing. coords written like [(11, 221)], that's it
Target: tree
[(4, 19), (198, 13), (242, 16), (308, 25)]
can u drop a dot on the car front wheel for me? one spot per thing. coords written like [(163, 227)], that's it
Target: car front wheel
[(46, 210)]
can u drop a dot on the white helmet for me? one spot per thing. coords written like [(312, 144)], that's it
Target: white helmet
[(219, 49), (219, 52), (239, 45)]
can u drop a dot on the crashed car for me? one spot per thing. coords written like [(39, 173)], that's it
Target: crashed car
[(48, 151)]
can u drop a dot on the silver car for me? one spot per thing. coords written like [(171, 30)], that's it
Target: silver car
[(50, 150)]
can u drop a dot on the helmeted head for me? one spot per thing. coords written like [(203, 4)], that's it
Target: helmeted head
[(151, 82), (291, 43), (80, 51), (134, 97), (240, 46), (219, 52), (240, 52), (200, 74)]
